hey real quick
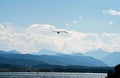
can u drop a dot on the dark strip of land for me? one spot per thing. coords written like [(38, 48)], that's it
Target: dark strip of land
[(54, 68)]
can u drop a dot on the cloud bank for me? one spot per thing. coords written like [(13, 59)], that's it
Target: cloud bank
[(111, 12), (41, 36)]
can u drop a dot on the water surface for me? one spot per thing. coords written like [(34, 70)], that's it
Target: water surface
[(50, 75)]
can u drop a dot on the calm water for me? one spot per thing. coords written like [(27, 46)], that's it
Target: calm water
[(50, 75)]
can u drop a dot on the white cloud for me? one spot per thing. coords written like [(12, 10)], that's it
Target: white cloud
[(41, 36), (111, 22), (111, 41), (81, 17), (111, 12), (75, 22)]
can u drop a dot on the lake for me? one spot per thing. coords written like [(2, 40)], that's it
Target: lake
[(50, 75)]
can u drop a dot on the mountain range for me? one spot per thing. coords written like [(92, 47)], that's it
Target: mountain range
[(109, 58), (10, 52), (14, 58), (112, 59), (44, 52), (47, 57), (98, 54)]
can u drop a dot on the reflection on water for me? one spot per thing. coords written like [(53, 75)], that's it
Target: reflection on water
[(50, 75)]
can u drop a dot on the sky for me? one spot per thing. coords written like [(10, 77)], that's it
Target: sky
[(26, 25)]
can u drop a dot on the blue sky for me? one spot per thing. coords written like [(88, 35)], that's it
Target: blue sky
[(60, 13), (27, 25)]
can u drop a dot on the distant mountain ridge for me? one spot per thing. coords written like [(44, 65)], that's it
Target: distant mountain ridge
[(44, 52), (98, 54), (77, 54), (10, 52), (112, 59), (92, 58), (60, 59), (19, 61)]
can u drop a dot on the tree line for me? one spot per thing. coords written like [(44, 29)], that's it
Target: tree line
[(54, 68)]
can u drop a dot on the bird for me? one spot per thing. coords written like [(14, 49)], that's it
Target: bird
[(60, 31)]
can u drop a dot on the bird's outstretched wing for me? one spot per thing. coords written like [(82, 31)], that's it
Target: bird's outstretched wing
[(60, 31)]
